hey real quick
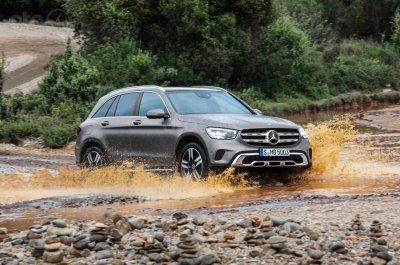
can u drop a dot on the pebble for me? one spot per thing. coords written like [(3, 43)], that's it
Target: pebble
[(315, 254), (53, 257), (59, 223)]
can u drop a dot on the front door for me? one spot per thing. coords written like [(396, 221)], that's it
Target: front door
[(155, 139)]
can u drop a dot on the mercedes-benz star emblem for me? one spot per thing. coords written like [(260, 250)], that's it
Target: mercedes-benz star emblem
[(272, 137)]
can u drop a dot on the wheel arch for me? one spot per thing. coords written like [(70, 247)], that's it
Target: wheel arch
[(190, 138), (89, 143)]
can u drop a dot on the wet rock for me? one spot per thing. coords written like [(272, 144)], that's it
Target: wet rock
[(136, 223), (60, 231), (381, 241), (291, 227), (123, 226), (53, 256), (53, 247), (201, 220), (156, 257), (101, 246), (98, 232), (311, 233), (81, 244), (159, 236), (37, 244), (104, 254), (59, 223), (277, 242), (115, 235), (378, 261), (244, 223), (336, 246), (17, 241), (209, 259), (254, 253), (375, 230), (276, 221), (188, 249), (357, 224), (179, 215), (315, 254)]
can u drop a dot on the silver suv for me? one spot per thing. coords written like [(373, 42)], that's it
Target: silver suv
[(191, 129)]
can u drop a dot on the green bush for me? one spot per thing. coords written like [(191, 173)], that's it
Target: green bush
[(56, 134), (11, 106), (122, 63), (360, 65), (290, 67), (69, 79), (15, 131)]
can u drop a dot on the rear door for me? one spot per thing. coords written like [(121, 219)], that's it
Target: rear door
[(155, 139), (118, 127)]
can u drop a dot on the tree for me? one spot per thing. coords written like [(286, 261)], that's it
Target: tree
[(70, 80), (396, 30)]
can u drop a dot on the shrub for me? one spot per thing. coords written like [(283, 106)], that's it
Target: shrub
[(57, 134), (123, 63), (290, 67), (15, 131), (69, 79), (11, 106), (360, 65)]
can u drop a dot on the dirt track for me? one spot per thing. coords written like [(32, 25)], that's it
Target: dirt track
[(28, 49)]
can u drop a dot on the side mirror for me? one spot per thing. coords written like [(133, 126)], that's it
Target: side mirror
[(258, 112), (157, 114)]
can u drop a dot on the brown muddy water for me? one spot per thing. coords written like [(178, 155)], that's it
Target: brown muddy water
[(348, 159)]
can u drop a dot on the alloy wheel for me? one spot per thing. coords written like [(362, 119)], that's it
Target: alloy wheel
[(94, 159), (192, 164)]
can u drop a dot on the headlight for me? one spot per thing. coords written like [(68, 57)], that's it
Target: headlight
[(303, 133), (222, 134)]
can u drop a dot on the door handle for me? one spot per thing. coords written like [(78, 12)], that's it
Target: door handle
[(138, 122), (105, 123)]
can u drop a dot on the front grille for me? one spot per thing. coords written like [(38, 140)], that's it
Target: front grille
[(295, 158), (258, 137)]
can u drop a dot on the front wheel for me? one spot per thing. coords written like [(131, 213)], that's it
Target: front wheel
[(192, 162), (93, 157)]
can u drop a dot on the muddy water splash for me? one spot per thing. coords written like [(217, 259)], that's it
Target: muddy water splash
[(115, 181)]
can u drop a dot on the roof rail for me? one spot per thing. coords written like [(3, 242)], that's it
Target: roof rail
[(214, 87), (138, 87)]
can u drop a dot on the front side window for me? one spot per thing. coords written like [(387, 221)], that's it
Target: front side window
[(206, 102), (102, 111), (150, 101), (126, 104)]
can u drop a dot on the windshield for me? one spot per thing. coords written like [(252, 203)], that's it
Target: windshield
[(206, 102)]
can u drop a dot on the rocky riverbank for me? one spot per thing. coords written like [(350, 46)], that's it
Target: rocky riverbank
[(358, 231)]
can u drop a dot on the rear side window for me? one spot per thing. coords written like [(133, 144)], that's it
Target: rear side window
[(150, 101), (126, 104), (113, 108), (104, 109)]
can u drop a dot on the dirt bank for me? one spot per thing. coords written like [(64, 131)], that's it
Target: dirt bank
[(27, 50)]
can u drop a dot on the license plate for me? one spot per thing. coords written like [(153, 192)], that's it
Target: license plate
[(274, 152)]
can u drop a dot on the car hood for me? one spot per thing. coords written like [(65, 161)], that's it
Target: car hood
[(238, 122)]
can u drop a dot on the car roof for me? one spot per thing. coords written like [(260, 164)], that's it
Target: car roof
[(162, 89)]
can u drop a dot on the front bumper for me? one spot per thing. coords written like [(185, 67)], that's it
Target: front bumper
[(237, 153), (296, 159)]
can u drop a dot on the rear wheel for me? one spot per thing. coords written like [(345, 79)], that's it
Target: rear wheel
[(93, 157), (192, 162)]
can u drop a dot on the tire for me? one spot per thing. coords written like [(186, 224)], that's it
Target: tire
[(192, 162), (94, 157)]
